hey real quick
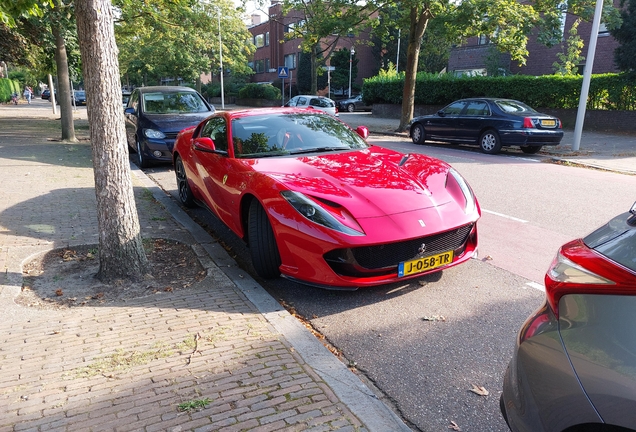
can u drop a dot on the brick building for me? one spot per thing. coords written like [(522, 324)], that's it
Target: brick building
[(471, 58), (273, 51)]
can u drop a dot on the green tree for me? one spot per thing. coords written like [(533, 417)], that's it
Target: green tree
[(571, 58), (304, 75), (324, 24), (625, 34), (179, 39), (340, 74), (507, 24)]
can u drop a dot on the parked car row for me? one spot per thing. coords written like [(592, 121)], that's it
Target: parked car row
[(319, 205)]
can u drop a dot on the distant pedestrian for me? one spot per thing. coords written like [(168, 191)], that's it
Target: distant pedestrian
[(28, 93)]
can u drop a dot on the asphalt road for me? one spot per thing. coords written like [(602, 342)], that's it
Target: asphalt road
[(425, 343)]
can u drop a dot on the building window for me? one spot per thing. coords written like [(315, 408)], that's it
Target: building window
[(259, 40), (483, 40), (603, 31), (267, 39), (267, 68), (259, 66), (290, 61)]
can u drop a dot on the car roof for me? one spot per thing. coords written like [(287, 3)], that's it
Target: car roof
[(312, 96)]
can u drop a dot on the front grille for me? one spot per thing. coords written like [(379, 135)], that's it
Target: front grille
[(367, 260)]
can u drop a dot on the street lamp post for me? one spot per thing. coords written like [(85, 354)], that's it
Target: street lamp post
[(351, 53)]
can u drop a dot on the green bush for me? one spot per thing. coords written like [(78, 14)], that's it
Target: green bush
[(7, 88), (607, 91), (260, 91)]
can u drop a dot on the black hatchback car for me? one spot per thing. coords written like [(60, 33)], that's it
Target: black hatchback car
[(491, 123), (574, 365), (154, 117)]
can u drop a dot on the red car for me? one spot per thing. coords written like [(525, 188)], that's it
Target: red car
[(317, 204)]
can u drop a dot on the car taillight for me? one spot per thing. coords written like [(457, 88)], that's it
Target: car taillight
[(527, 122), (577, 269)]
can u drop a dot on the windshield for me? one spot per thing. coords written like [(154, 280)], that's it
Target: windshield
[(173, 102), (288, 134)]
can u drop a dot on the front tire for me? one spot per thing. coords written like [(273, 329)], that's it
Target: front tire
[(351, 108), (531, 149), (489, 142), (418, 134), (142, 162), (263, 248), (185, 193)]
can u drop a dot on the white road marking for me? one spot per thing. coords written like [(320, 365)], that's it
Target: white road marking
[(536, 286), (504, 216)]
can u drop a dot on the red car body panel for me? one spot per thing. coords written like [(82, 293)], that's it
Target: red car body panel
[(391, 196)]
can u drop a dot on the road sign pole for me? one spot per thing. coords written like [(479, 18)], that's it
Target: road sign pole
[(282, 92)]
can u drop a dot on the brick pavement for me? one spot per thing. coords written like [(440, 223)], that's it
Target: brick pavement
[(128, 366)]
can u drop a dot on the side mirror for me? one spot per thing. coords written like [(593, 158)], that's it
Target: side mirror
[(441, 113), (204, 144), (130, 110), (363, 131)]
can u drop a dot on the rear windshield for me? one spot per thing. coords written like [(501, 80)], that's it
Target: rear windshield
[(514, 107), (173, 102)]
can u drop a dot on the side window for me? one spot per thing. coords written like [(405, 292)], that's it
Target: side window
[(292, 102), (455, 108), (477, 108), (216, 129), (301, 101)]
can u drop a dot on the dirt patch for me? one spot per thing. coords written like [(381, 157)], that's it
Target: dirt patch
[(64, 278)]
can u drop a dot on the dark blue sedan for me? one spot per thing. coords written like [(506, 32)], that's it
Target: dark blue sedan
[(154, 117), (491, 123)]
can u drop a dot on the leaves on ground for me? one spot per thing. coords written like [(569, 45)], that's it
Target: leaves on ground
[(479, 390)]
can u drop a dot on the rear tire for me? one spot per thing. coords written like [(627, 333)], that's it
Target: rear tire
[(531, 149), (263, 248), (489, 142), (418, 134), (185, 193), (351, 108)]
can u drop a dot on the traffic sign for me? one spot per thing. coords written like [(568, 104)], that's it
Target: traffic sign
[(283, 72)]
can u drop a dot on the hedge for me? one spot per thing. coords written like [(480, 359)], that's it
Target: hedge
[(7, 88), (607, 91), (260, 91)]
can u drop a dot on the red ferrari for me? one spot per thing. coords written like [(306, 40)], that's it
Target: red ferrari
[(317, 204)]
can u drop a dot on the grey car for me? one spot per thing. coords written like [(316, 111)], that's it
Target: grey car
[(574, 366), (154, 117), (353, 104)]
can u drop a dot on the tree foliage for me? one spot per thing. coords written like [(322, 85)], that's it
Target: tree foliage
[(324, 23), (340, 74), (179, 39), (625, 54)]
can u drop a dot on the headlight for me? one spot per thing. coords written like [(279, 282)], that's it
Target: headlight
[(317, 214), (155, 134), (469, 199)]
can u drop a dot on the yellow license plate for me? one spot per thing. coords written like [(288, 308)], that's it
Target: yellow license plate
[(423, 264), (548, 123)]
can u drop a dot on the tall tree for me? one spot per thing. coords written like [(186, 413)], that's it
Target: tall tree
[(340, 75), (625, 53), (121, 251), (63, 79), (324, 23), (179, 39), (507, 23)]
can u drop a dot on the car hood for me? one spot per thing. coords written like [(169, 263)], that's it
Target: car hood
[(174, 123), (369, 183)]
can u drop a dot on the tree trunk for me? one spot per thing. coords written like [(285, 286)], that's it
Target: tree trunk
[(121, 251), (419, 21), (63, 94)]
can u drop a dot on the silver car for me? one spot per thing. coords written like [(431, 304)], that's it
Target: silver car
[(574, 366), (318, 102)]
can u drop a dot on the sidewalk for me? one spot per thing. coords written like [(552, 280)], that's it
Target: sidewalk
[(259, 369)]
